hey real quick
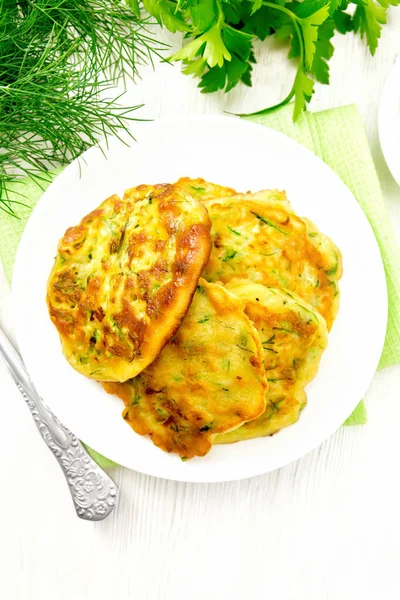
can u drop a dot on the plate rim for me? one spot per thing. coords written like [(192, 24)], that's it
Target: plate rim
[(328, 432), (385, 118)]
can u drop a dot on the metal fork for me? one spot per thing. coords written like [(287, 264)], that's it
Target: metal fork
[(93, 492)]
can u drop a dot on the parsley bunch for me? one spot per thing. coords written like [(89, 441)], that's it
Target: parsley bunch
[(221, 34)]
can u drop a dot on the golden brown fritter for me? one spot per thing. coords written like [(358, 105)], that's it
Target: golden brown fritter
[(198, 188), (208, 379), (124, 278), (293, 336), (143, 191), (259, 237), (203, 190)]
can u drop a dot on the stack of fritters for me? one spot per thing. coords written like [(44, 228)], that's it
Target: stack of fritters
[(204, 310)]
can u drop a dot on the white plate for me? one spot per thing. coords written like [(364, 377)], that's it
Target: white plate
[(389, 121), (246, 156)]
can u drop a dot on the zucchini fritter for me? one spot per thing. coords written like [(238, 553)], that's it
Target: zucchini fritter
[(208, 379), (293, 337), (259, 237), (124, 278), (198, 188), (203, 190)]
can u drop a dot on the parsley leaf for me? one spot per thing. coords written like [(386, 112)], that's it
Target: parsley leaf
[(310, 7), (337, 4), (323, 51), (246, 77), (238, 42), (222, 32), (164, 11), (343, 21), (236, 70), (288, 32), (204, 14), (368, 20), (257, 4), (214, 51), (213, 80), (303, 90), (309, 27), (262, 23), (134, 4), (194, 67), (233, 11)]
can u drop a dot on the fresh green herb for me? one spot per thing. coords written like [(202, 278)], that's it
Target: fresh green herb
[(136, 399), (229, 256), (221, 35), (269, 223), (96, 371), (205, 319), (314, 316), (225, 326), (58, 59), (118, 328), (333, 269), (271, 340), (233, 231), (336, 291), (283, 329), (276, 405), (245, 349), (280, 278)]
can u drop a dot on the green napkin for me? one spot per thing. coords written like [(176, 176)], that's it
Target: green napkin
[(337, 136)]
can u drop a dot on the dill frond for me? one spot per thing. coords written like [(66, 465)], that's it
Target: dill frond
[(58, 59)]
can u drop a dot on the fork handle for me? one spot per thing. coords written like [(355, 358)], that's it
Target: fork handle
[(93, 492)]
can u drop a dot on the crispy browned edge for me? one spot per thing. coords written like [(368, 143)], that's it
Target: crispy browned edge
[(191, 257)]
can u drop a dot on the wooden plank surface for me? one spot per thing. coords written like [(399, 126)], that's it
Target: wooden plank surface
[(326, 527)]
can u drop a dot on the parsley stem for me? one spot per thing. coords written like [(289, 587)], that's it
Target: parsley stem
[(290, 95), (279, 8)]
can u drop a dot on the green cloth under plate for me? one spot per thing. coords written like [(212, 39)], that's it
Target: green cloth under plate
[(338, 137)]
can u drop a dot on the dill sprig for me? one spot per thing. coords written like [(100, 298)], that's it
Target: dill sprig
[(58, 60)]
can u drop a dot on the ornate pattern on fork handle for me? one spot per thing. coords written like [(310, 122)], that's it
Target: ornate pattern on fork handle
[(93, 492)]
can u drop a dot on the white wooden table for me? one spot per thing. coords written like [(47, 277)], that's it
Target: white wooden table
[(325, 527)]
